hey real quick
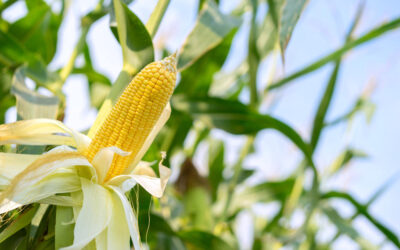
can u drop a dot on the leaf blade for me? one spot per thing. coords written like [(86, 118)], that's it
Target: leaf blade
[(372, 34), (211, 27)]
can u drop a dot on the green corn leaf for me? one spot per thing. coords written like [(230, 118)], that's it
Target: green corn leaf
[(227, 84), (372, 34), (274, 10), (245, 174), (363, 104), (234, 117), (175, 133), (6, 4), (344, 227), (197, 204), (159, 224), (383, 188), (198, 240), (161, 235), (253, 57), (344, 159), (141, 202), (264, 192), (136, 43), (279, 24), (319, 118), (40, 24), (99, 84), (267, 35), (361, 209), (64, 227), (209, 64), (12, 52), (290, 15), (43, 228), (17, 241), (20, 222), (210, 29), (7, 99), (215, 165), (32, 4)]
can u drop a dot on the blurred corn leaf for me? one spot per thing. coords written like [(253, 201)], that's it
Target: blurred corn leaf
[(198, 240), (344, 159), (99, 84), (278, 26), (39, 24), (136, 44), (319, 119), (372, 34), (7, 100), (176, 132), (290, 15), (215, 165), (234, 117), (363, 104), (194, 239), (346, 228), (209, 63), (264, 192), (12, 52), (227, 84), (197, 203), (361, 209), (245, 174), (210, 28), (326, 100), (267, 34)]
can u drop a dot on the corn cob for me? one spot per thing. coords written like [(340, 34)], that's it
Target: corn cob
[(135, 113)]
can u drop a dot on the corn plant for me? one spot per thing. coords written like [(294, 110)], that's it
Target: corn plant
[(110, 187)]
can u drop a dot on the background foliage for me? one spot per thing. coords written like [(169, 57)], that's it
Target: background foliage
[(198, 211)]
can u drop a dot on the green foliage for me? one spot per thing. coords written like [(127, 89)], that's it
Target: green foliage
[(197, 212)]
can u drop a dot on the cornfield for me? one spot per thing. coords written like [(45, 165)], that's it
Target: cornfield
[(210, 124)]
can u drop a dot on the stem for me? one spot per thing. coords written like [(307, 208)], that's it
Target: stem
[(253, 61), (67, 69), (86, 23), (237, 170), (156, 17)]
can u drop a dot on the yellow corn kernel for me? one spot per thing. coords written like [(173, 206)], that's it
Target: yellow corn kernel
[(135, 113)]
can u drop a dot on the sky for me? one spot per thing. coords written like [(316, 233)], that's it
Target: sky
[(320, 30)]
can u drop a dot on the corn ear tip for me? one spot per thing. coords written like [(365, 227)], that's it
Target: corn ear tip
[(170, 62)]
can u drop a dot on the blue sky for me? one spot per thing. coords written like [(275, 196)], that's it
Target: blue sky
[(320, 30)]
